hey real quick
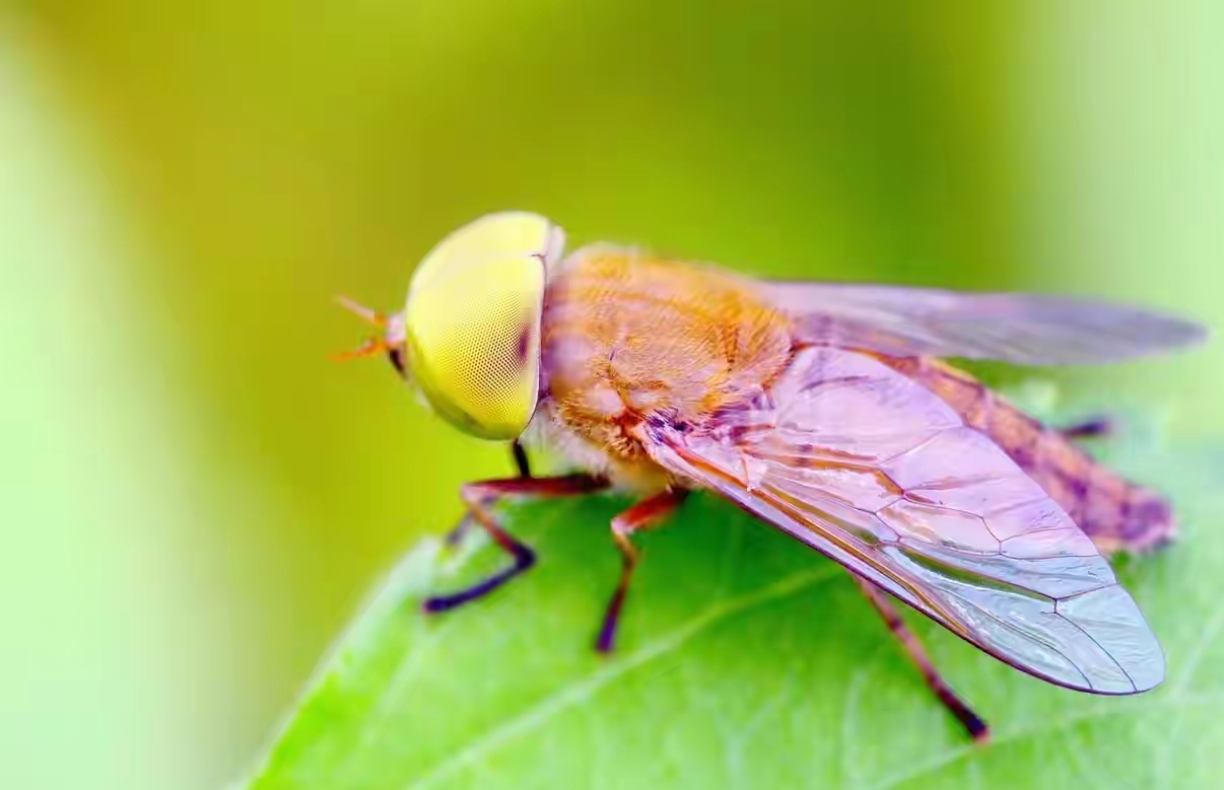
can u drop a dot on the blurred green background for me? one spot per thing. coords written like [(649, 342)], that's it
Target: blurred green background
[(195, 499)]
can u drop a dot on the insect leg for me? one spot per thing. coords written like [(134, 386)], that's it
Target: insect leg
[(479, 497), (520, 459), (1098, 426), (646, 514), (978, 730), (524, 469)]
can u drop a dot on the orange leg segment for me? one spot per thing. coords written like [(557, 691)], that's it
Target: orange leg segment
[(644, 515)]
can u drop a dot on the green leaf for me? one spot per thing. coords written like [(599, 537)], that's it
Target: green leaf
[(746, 660)]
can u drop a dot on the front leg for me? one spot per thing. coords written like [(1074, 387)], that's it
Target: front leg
[(520, 459), (521, 463), (479, 498)]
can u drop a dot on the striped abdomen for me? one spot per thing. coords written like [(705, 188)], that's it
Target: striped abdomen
[(1116, 513)]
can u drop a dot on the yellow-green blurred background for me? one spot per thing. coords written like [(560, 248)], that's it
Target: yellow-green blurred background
[(194, 498)]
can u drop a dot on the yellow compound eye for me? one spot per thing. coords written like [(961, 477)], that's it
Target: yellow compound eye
[(473, 322)]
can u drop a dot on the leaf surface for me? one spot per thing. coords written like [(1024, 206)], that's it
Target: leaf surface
[(746, 661)]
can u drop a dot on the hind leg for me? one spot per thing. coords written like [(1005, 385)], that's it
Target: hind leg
[(1088, 429), (973, 724)]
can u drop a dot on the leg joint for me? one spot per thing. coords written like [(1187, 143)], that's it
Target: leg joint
[(524, 556)]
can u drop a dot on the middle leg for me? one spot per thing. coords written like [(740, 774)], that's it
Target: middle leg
[(644, 515)]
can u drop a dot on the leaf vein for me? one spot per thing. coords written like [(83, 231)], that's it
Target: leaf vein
[(1199, 652), (953, 756), (579, 691)]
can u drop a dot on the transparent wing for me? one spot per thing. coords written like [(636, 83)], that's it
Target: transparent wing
[(1020, 328), (878, 473)]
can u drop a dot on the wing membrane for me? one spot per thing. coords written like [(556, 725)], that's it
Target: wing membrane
[(1020, 328), (873, 470)]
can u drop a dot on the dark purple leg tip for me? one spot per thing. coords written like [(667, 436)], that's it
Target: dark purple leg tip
[(524, 559), (1101, 426), (605, 644), (436, 605)]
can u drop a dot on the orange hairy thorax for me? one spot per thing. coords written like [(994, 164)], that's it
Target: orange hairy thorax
[(626, 337)]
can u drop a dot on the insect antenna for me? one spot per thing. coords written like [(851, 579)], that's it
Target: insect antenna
[(390, 342), (369, 315)]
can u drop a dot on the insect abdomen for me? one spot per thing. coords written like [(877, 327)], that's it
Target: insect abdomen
[(1117, 514)]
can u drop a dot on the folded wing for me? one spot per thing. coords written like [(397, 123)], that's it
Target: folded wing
[(1020, 328), (873, 470)]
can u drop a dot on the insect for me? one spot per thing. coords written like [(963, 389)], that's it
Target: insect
[(823, 410)]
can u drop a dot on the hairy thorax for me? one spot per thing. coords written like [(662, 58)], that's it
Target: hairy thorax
[(628, 338)]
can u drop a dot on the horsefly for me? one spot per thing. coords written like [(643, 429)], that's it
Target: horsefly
[(823, 410)]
